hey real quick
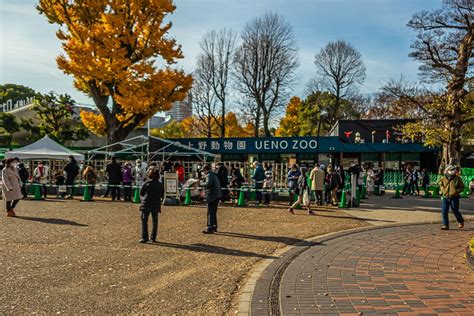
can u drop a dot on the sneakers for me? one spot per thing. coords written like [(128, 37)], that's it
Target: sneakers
[(444, 227), (290, 210), (461, 225), (143, 241), (11, 214), (311, 213)]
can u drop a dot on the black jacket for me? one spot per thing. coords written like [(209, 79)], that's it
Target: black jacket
[(152, 192), (223, 176), (114, 172), (213, 188), (72, 170), (24, 174)]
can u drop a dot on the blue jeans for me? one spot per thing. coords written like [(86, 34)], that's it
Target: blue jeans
[(454, 204)]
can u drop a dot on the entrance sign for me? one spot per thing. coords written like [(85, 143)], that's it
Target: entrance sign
[(263, 145)]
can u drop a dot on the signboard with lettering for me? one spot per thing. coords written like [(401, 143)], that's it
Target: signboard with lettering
[(263, 145)]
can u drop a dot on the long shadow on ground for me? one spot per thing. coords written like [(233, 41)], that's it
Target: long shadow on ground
[(278, 239), (56, 221), (213, 249)]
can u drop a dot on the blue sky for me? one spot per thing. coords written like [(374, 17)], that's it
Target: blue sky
[(377, 28)]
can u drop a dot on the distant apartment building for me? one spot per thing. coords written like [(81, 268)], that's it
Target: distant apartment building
[(181, 109)]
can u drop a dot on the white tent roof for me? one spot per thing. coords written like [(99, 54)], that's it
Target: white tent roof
[(45, 148)]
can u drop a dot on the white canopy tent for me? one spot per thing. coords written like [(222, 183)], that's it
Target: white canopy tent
[(45, 148)]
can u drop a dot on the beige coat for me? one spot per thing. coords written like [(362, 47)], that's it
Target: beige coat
[(11, 184), (317, 179)]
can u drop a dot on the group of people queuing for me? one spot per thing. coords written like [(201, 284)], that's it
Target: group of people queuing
[(412, 178), (120, 177)]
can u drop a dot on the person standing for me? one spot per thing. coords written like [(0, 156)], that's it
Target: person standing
[(213, 196), (11, 186), (426, 180), (140, 172), (258, 179), (415, 180), (41, 176), (90, 176), (302, 190), (370, 181), (451, 186), (152, 193), (407, 178), (293, 175), (24, 176), (72, 171), (236, 182), (127, 180), (223, 176), (268, 183), (179, 169), (333, 182), (317, 183), (114, 174)]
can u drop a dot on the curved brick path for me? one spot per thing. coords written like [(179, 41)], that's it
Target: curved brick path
[(407, 270)]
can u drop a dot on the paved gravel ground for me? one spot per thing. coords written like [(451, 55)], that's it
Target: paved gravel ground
[(72, 257)]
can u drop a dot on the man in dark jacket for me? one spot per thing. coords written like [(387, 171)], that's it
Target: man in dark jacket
[(72, 170), (213, 195), (258, 178), (114, 173), (152, 192)]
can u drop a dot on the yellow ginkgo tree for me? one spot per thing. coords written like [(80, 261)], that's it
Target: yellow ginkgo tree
[(120, 54)]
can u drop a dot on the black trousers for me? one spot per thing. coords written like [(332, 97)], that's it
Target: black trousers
[(69, 187), (212, 215), (11, 205), (259, 195), (24, 192), (115, 191), (266, 196), (319, 197), (127, 192), (154, 222), (45, 190)]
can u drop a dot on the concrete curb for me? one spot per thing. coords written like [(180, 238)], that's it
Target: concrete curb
[(247, 292)]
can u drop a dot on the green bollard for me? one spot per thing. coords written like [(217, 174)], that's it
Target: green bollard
[(136, 195), (343, 203), (187, 198), (241, 201), (38, 195), (87, 194), (397, 193)]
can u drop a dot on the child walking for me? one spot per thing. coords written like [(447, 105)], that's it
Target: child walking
[(152, 195)]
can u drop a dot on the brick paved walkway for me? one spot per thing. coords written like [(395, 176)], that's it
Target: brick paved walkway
[(407, 270)]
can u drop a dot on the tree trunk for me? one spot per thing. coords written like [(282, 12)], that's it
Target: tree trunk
[(266, 130), (454, 145), (257, 123), (223, 120)]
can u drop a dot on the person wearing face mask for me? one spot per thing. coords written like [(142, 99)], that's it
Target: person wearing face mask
[(11, 187), (41, 175), (451, 186)]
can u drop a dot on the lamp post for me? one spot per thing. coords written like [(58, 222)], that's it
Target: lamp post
[(321, 114)]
